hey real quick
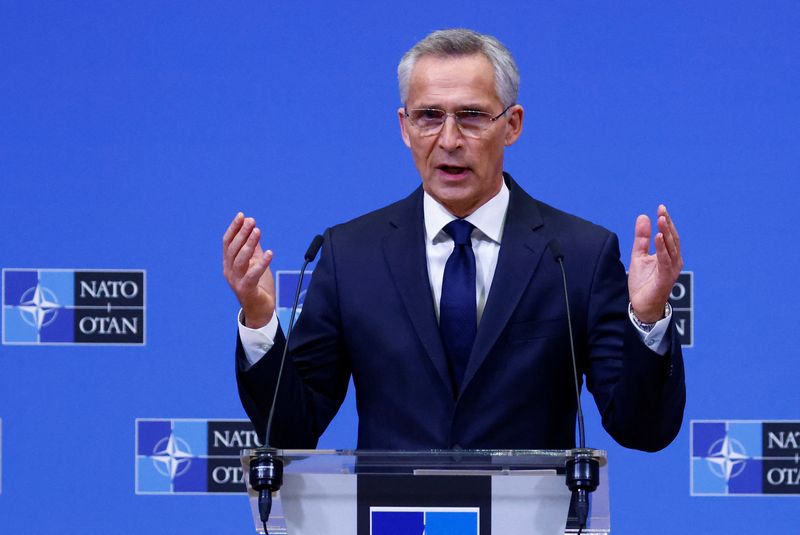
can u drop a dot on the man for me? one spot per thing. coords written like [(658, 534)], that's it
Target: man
[(447, 308)]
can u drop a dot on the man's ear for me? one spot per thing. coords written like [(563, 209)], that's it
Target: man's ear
[(401, 115), (514, 124)]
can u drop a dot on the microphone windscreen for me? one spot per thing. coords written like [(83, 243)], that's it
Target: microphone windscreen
[(555, 248), (313, 249)]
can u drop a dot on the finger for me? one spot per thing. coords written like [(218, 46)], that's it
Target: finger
[(242, 260), (239, 239), (258, 268), (231, 231), (662, 211), (675, 239), (665, 264), (235, 246), (669, 239), (674, 231), (266, 279), (641, 236)]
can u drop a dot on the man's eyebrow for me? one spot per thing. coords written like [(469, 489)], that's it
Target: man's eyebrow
[(475, 107), (472, 106), (426, 106)]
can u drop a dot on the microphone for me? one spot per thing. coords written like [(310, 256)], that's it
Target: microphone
[(311, 252), (583, 470), (266, 468)]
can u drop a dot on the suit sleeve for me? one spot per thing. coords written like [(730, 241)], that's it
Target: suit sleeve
[(641, 395), (315, 375)]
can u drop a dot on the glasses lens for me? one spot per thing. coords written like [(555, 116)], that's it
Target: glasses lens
[(472, 121), (426, 119)]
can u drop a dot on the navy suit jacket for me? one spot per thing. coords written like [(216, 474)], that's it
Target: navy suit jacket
[(369, 314)]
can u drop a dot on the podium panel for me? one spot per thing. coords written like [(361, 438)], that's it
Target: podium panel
[(480, 492)]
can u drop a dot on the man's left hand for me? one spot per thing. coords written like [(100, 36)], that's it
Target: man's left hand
[(651, 276)]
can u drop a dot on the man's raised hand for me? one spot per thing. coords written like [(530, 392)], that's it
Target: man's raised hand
[(651, 276), (246, 268)]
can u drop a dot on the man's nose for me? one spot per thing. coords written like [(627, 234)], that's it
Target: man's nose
[(450, 138)]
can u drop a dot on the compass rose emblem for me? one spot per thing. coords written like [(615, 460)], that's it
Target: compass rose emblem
[(727, 458), (38, 307), (172, 456)]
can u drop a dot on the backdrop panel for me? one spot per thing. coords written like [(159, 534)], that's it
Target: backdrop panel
[(133, 132)]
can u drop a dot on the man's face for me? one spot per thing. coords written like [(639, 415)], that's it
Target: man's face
[(462, 173)]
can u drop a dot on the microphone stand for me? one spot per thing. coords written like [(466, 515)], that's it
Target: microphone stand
[(266, 466), (583, 470)]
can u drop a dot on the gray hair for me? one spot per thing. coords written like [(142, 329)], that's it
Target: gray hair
[(462, 42)]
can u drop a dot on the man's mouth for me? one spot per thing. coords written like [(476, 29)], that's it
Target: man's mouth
[(452, 169)]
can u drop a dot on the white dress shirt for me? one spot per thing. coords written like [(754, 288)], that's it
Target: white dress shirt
[(489, 220)]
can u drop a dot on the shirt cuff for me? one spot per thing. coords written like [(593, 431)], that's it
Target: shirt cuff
[(256, 342), (655, 338)]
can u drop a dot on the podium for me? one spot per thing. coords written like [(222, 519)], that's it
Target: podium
[(464, 492)]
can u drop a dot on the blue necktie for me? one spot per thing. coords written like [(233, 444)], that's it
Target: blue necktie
[(458, 316)]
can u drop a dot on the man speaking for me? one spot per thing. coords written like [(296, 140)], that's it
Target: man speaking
[(447, 307)]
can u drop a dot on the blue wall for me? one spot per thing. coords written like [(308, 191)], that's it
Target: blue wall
[(131, 133)]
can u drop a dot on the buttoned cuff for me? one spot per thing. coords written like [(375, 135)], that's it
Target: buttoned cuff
[(654, 335), (256, 342)]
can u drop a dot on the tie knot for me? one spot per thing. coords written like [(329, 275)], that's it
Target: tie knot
[(460, 230)]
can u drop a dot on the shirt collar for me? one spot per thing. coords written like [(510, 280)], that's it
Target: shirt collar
[(489, 218)]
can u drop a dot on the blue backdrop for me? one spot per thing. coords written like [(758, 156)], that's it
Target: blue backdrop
[(133, 132)]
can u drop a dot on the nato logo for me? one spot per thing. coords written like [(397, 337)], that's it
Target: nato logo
[(191, 456), (424, 520), (67, 306), (681, 299), (285, 289), (745, 458)]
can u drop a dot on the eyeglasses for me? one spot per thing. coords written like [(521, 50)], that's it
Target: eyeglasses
[(472, 123)]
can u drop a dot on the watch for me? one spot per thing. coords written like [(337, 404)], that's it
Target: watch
[(647, 327)]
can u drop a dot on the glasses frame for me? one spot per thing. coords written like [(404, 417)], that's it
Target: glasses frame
[(432, 132)]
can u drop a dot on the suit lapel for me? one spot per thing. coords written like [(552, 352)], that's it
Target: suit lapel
[(520, 253), (404, 249)]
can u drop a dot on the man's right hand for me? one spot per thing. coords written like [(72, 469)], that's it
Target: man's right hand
[(246, 268)]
